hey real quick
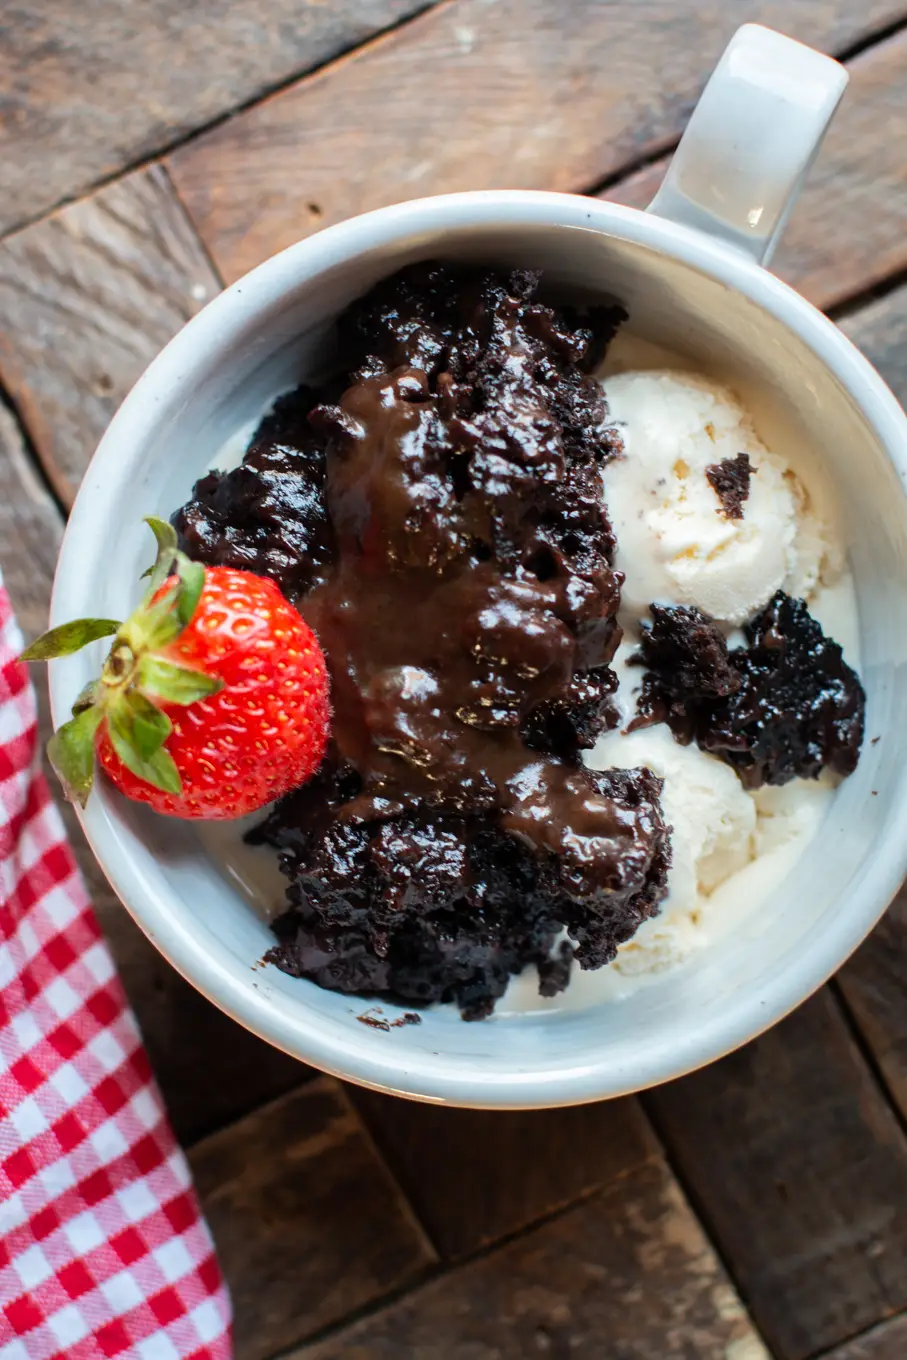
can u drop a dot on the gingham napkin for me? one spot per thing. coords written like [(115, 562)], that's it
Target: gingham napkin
[(103, 1250)]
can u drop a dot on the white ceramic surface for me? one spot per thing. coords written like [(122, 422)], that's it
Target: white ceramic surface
[(685, 288)]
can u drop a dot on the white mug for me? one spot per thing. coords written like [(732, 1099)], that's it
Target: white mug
[(690, 273)]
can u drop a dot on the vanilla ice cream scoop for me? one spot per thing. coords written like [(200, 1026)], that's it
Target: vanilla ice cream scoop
[(675, 541)]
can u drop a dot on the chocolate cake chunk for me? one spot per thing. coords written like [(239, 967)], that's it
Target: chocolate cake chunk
[(574, 722), (686, 656), (444, 535), (439, 907), (268, 515), (730, 480), (784, 706)]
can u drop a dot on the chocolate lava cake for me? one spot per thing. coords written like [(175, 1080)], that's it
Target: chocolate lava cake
[(435, 512)]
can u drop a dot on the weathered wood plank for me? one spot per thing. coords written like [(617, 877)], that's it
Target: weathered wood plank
[(87, 298), (94, 87), (474, 1176), (887, 1342), (798, 1170), (849, 228), (210, 1069), (880, 331), (628, 1275), (476, 94), (308, 1222), (30, 530), (874, 984)]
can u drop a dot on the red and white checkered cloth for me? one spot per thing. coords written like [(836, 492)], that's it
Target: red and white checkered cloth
[(103, 1250)]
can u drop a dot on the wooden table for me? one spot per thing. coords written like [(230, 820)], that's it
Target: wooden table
[(153, 152)]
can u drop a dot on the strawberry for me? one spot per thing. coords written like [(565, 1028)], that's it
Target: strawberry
[(213, 699)]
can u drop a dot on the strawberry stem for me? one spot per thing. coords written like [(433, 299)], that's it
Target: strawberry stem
[(119, 666)]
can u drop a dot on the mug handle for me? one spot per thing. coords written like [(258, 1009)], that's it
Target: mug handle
[(751, 140)]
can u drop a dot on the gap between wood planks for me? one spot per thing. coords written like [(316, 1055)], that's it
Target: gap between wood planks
[(886, 1341), (868, 1054), (159, 166), (35, 461), (850, 306)]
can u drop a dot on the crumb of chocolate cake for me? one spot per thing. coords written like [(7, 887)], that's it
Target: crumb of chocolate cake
[(790, 708), (730, 480), (447, 541), (554, 972), (374, 1019)]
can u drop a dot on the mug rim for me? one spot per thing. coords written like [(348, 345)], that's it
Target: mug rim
[(167, 920)]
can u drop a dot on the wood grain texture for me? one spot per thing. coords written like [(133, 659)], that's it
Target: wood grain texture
[(798, 1169), (849, 228), (474, 1176), (30, 530), (307, 1220), (476, 94), (87, 298), (887, 1342), (628, 1276), (874, 984), (210, 1069), (880, 331), (90, 88)]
